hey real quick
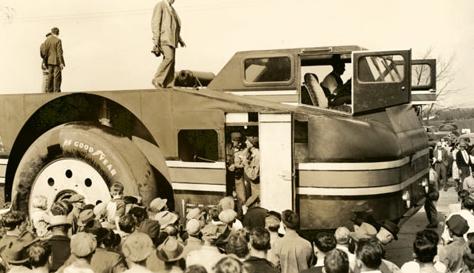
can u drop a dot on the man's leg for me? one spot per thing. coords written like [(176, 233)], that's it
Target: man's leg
[(240, 190), (165, 73), (431, 213), (49, 80), (437, 168), (444, 176), (57, 78)]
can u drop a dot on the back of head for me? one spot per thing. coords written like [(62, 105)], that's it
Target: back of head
[(214, 213), (237, 245), (336, 261), (260, 239), (12, 219), (290, 219), (139, 213), (425, 246), (325, 242), (55, 30), (38, 254), (462, 194), (468, 203), (369, 252), (468, 255), (196, 268), (127, 223), (272, 221), (229, 265)]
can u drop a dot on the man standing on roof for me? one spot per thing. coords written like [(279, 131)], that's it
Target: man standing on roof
[(52, 54), (165, 25)]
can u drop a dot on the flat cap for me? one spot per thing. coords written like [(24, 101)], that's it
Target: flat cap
[(83, 244)]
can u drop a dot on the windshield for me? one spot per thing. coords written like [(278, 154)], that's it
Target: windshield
[(385, 68)]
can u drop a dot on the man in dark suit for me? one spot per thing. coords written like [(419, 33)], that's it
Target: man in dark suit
[(165, 25), (441, 164), (463, 161), (52, 55)]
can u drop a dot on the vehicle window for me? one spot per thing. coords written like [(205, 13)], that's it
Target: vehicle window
[(385, 68), (420, 75), (198, 145), (274, 69)]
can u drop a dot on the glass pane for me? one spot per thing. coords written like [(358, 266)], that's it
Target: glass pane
[(275, 69), (386, 68), (420, 75), (198, 145)]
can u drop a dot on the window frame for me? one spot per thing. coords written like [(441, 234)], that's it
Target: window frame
[(269, 83)]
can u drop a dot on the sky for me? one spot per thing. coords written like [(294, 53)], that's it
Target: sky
[(107, 43)]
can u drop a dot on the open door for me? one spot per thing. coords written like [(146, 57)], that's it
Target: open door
[(380, 79), (423, 81)]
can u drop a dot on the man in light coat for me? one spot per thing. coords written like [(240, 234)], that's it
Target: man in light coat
[(165, 26)]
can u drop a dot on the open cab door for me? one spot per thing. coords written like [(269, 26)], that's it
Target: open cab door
[(380, 79), (423, 81)]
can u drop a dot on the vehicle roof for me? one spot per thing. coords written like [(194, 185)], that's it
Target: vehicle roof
[(310, 50)]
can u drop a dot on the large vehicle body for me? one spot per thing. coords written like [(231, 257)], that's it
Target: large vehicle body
[(323, 163)]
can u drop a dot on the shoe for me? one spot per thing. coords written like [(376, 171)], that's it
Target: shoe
[(156, 83), (445, 189)]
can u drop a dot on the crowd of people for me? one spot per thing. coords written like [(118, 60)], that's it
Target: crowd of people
[(123, 235)]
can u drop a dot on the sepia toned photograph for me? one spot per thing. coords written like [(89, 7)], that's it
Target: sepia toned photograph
[(236, 136)]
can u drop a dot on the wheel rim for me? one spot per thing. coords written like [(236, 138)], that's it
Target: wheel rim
[(67, 176)]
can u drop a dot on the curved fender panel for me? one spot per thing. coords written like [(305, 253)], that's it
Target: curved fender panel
[(332, 140)]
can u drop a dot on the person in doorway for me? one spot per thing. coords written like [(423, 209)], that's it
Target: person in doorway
[(166, 26), (252, 171), (52, 54), (235, 165)]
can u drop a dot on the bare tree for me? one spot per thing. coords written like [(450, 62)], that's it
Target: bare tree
[(445, 76), (6, 14)]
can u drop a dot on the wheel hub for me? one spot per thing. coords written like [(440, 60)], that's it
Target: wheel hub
[(66, 176)]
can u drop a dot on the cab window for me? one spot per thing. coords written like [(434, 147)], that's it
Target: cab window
[(421, 75), (272, 69), (198, 145)]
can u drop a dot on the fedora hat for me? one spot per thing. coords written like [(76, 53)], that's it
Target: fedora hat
[(194, 213), (137, 247), (85, 217), (364, 231), (391, 227), (170, 250), (15, 252), (166, 218), (58, 220), (157, 205)]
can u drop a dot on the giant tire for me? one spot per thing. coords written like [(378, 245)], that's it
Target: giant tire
[(94, 150)]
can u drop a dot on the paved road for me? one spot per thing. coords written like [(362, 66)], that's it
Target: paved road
[(401, 251)]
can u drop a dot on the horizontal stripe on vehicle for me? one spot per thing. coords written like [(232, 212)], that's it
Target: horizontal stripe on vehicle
[(2, 180), (360, 190), (198, 187), (197, 165), (361, 178), (3, 161), (354, 166), (264, 93)]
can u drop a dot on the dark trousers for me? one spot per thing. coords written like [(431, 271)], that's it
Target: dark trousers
[(164, 76), (53, 82), (441, 170), (431, 212)]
